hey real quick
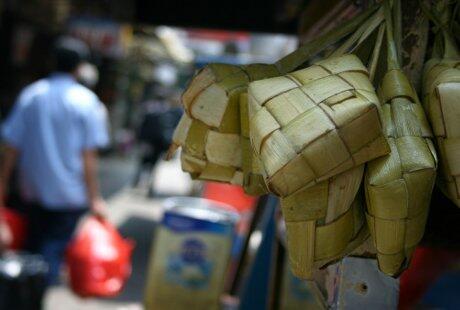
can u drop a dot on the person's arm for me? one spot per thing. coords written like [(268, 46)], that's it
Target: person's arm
[(95, 136), (9, 160), (96, 203)]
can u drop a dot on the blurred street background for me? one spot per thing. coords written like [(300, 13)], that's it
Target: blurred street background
[(137, 70), (142, 55)]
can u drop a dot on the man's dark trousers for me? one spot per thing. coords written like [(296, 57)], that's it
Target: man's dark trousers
[(49, 233)]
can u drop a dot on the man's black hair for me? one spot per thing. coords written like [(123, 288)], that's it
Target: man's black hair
[(69, 53)]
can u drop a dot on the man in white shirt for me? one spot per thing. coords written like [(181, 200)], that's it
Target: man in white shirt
[(53, 132)]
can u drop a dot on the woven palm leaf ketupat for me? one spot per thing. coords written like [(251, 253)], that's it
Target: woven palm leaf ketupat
[(442, 105), (209, 130), (398, 186), (315, 123)]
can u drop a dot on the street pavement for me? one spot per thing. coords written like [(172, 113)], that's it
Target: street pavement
[(136, 216)]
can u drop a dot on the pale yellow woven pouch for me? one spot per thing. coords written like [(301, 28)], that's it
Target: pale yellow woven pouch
[(209, 131), (442, 93), (399, 185), (441, 90), (315, 123)]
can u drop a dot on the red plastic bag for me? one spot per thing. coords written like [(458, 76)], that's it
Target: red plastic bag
[(98, 259), (17, 223)]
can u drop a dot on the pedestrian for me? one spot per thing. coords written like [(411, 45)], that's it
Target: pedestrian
[(155, 134), (53, 133)]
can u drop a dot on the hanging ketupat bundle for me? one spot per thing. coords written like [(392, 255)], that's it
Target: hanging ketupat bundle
[(322, 223), (209, 130), (313, 129), (441, 89), (398, 186)]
